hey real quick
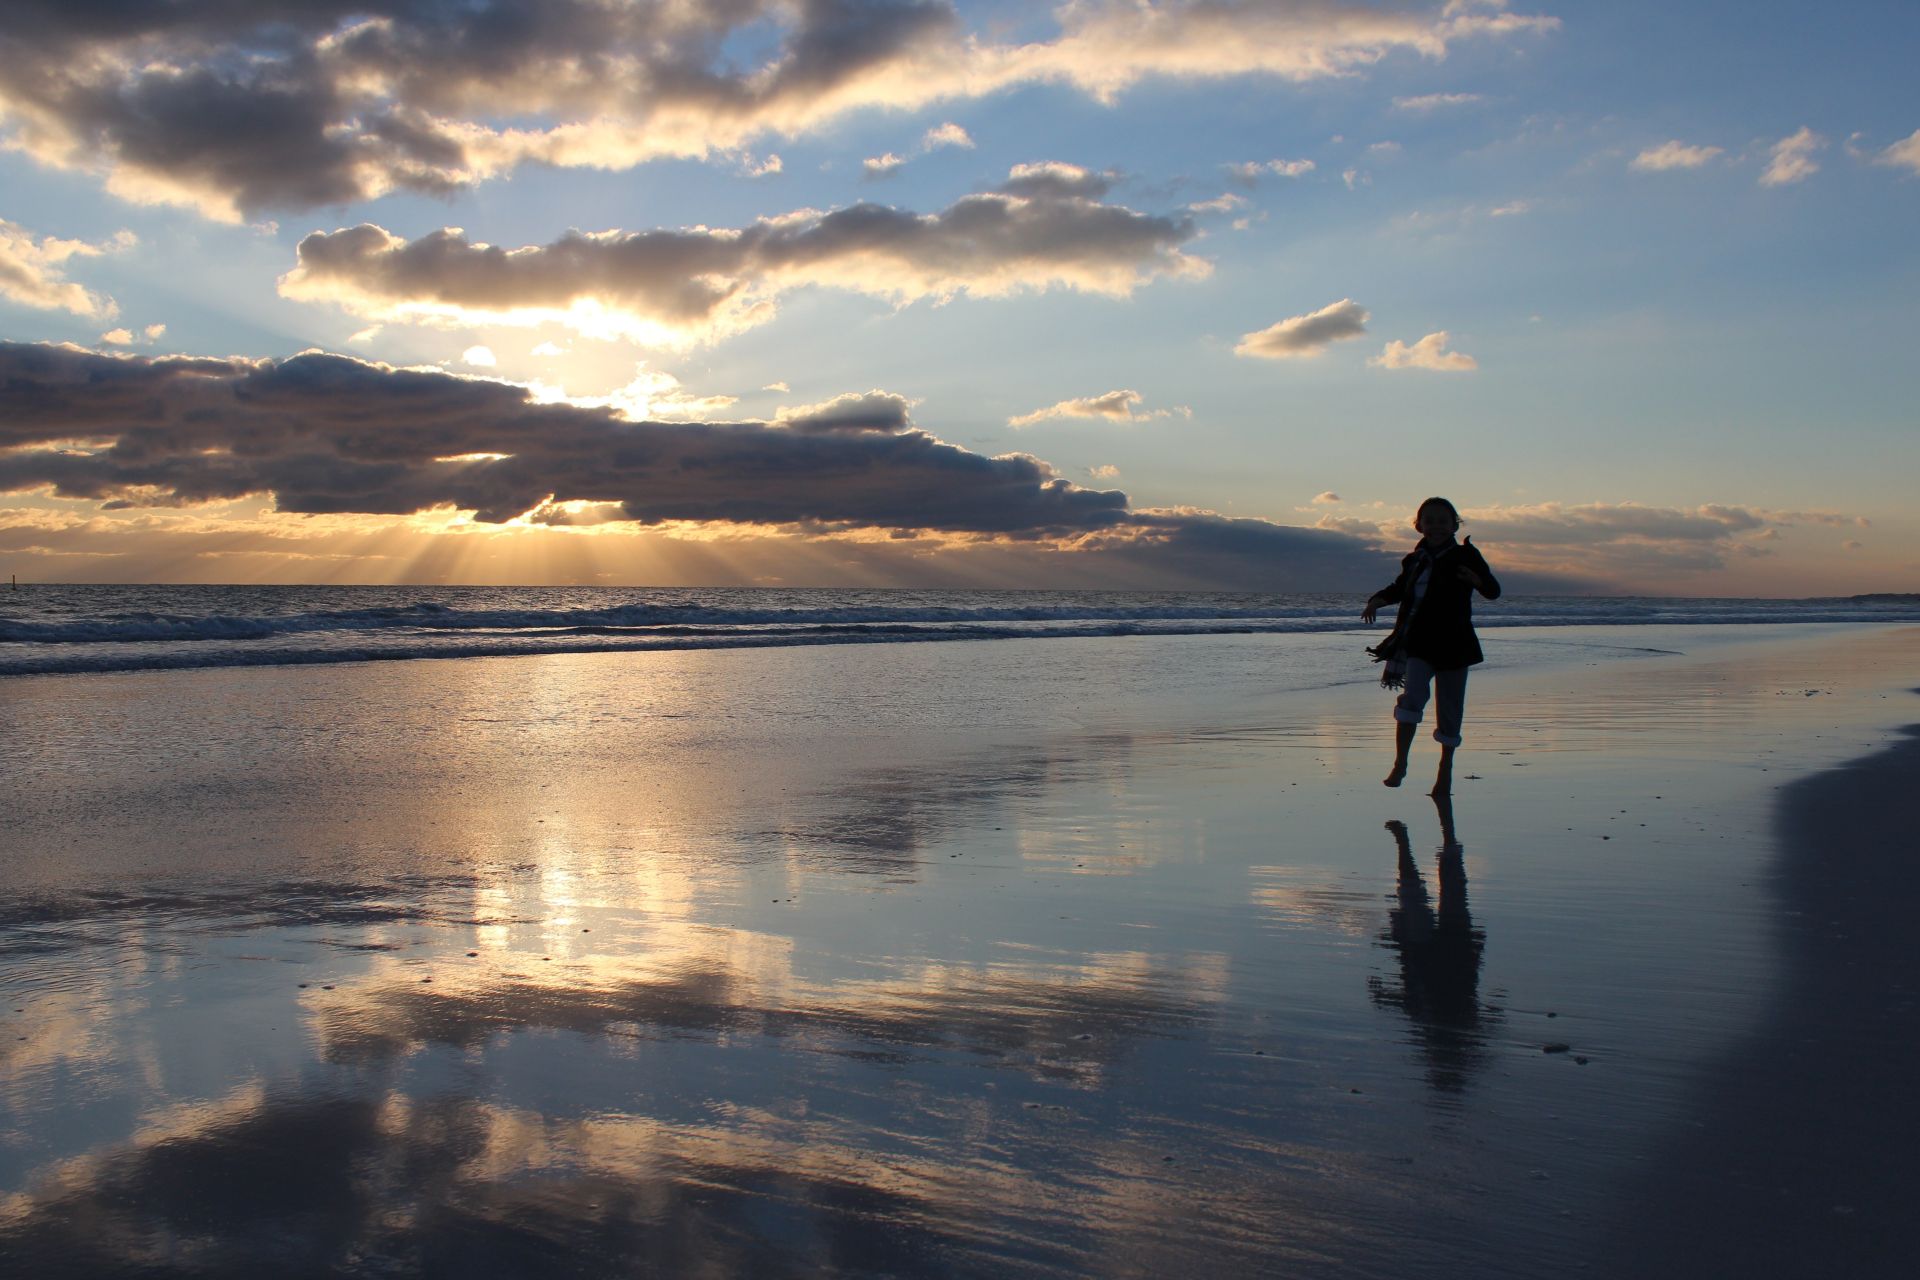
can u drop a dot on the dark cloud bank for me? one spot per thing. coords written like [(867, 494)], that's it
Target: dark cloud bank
[(327, 434)]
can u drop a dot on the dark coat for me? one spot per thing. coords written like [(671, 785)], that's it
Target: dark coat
[(1441, 634)]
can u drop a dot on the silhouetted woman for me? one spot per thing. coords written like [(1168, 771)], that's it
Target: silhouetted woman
[(1433, 643)]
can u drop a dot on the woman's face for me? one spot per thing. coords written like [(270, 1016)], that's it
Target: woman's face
[(1436, 523)]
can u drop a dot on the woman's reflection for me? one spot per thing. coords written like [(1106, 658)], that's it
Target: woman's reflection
[(1439, 952)]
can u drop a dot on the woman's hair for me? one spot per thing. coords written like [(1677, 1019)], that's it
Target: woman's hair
[(1436, 503)]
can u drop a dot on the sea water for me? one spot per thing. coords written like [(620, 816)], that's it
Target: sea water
[(53, 629)]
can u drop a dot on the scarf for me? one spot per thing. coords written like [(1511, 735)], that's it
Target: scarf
[(1392, 652)]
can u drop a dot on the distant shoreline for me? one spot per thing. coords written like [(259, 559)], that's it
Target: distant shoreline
[(1358, 593)]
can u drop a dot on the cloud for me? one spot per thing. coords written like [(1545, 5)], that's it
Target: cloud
[(761, 168), (1226, 203), (1355, 178), (1106, 47), (478, 358), (1326, 499), (1512, 209), (1829, 518), (1116, 406), (1792, 159), (1250, 171), (32, 275), (1192, 549), (1304, 337), (854, 412), (1042, 230), (1055, 180), (1428, 353), (1558, 523), (124, 337), (1904, 154), (946, 135), (234, 109), (1104, 471), (1629, 544), (1673, 154), (650, 393), (1434, 101), (1352, 526), (943, 135)]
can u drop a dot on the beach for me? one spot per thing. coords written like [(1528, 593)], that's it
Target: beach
[(1080, 957)]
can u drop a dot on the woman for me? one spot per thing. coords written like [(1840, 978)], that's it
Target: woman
[(1433, 632)]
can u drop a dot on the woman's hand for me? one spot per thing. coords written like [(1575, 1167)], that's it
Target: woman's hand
[(1471, 578), (1373, 607)]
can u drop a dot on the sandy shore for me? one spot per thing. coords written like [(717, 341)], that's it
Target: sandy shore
[(1102, 959)]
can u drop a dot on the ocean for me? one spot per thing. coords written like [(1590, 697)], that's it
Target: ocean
[(77, 629)]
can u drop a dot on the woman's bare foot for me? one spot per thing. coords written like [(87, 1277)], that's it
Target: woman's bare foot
[(1399, 773), (1442, 785)]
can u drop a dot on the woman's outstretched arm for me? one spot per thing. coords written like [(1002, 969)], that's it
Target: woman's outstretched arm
[(1389, 594), (1478, 575)]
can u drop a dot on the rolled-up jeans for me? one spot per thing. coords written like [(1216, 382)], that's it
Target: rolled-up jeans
[(1453, 699)]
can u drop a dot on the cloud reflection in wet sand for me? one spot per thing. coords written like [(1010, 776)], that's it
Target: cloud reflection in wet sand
[(372, 1161), (383, 1184), (1060, 1021)]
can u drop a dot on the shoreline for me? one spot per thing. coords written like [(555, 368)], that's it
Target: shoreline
[(1801, 1164)]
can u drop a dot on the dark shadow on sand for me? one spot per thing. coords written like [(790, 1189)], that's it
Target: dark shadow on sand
[(1798, 1158)]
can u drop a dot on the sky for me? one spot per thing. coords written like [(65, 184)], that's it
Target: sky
[(1197, 294)]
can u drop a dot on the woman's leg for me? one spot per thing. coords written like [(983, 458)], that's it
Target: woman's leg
[(1406, 713), (1450, 698), (1402, 743)]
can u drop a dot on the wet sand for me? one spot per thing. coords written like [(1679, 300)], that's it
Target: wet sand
[(1057, 959)]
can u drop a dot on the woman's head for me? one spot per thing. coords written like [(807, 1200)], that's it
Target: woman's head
[(1437, 518)]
